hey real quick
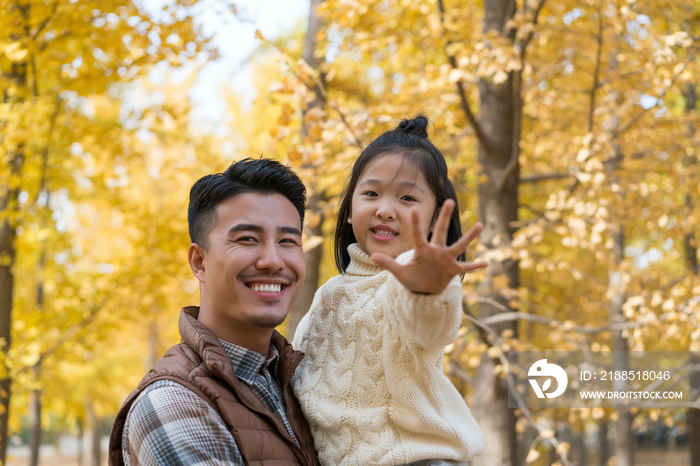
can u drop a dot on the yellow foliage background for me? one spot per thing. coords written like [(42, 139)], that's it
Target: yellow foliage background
[(96, 163)]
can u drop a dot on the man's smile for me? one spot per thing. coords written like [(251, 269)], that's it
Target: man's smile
[(272, 287)]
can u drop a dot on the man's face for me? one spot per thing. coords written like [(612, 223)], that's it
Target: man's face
[(254, 268)]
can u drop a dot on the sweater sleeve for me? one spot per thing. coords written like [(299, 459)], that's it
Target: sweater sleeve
[(300, 331), (431, 320)]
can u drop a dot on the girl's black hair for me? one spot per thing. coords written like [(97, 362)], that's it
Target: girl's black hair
[(409, 139)]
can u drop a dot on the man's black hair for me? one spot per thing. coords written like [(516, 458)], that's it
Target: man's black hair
[(264, 176), (409, 139)]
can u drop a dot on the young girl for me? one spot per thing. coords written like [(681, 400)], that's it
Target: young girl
[(372, 385)]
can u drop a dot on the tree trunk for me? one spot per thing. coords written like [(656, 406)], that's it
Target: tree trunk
[(624, 438), (92, 435), (36, 394), (81, 442), (603, 446), (313, 256), (96, 451), (691, 261), (499, 119), (694, 416), (8, 232), (16, 77), (578, 445), (35, 419), (152, 353)]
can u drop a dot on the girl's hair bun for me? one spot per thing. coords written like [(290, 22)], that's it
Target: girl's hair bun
[(417, 126)]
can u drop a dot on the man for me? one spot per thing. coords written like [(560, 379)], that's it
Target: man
[(223, 395)]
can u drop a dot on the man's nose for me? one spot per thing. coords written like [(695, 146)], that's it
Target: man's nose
[(270, 258)]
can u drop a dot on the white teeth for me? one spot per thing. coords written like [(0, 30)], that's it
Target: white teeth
[(274, 288), (384, 233)]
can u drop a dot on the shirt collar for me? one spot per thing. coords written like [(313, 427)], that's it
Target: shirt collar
[(248, 363)]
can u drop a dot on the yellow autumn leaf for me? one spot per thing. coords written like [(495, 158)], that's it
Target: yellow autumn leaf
[(14, 51), (532, 456), (312, 242), (500, 77)]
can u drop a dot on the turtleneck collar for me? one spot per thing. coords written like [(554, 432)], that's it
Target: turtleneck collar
[(360, 263)]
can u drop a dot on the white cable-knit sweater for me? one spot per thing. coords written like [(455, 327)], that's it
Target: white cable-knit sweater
[(372, 385)]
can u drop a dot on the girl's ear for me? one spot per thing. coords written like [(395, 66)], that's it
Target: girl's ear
[(350, 220)]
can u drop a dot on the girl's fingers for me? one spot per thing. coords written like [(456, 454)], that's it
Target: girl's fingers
[(386, 262), (472, 266), (419, 238), (443, 222), (459, 246)]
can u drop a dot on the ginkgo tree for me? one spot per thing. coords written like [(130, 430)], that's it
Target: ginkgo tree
[(569, 129), (570, 121), (62, 64)]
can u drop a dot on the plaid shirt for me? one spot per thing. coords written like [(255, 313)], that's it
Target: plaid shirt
[(170, 425)]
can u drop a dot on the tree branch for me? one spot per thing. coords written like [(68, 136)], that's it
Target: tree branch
[(45, 154), (45, 22), (526, 41), (514, 161), (596, 72), (635, 119), (483, 140), (537, 177), (67, 335), (358, 142), (508, 316), (318, 88), (514, 393)]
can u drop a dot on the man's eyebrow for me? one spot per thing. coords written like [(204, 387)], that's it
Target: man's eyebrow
[(246, 227), (260, 229), (292, 230)]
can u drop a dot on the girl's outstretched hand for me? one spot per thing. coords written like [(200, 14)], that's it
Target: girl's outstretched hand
[(434, 263)]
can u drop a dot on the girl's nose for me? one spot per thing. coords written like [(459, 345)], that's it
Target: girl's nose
[(386, 212)]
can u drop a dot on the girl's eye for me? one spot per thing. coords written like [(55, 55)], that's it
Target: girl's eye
[(408, 198), (370, 193)]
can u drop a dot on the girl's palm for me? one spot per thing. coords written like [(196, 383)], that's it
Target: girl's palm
[(434, 263)]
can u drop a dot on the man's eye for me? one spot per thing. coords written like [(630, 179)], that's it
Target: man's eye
[(246, 239), (288, 241)]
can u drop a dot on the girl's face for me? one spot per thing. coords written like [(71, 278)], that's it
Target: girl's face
[(382, 201)]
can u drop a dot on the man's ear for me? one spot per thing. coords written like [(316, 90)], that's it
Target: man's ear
[(196, 256)]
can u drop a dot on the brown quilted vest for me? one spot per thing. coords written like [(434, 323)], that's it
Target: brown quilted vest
[(261, 438)]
